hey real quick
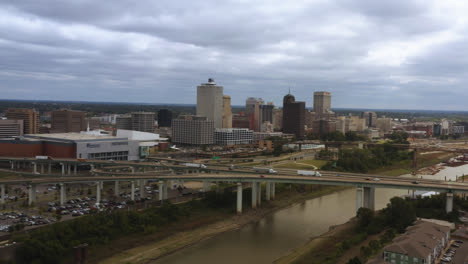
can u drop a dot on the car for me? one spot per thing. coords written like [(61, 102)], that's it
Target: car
[(415, 182), (459, 241), (368, 179), (262, 176), (376, 179), (455, 245)]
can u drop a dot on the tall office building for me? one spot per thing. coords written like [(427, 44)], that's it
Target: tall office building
[(322, 105), (250, 103), (66, 121), (293, 116), (370, 117), (227, 112), (192, 130), (266, 112), (143, 121), (11, 128), (29, 116), (210, 102), (164, 118)]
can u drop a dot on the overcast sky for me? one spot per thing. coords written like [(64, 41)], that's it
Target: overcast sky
[(369, 54)]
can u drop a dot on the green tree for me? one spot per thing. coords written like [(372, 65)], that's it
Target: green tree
[(399, 213), (354, 260)]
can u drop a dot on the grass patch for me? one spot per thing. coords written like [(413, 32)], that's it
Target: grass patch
[(302, 164)]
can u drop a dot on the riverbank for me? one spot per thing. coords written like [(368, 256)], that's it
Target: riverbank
[(318, 247), (149, 250)]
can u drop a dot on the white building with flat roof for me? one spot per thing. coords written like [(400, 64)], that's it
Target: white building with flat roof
[(233, 136), (210, 102)]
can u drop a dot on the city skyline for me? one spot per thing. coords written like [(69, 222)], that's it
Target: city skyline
[(395, 55)]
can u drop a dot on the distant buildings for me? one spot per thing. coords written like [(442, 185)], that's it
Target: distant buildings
[(11, 128), (210, 102), (241, 120), (293, 116), (192, 130), (370, 117), (233, 136), (124, 122), (66, 121), (322, 105), (164, 118), (29, 116)]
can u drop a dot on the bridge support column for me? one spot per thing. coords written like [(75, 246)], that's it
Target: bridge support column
[(369, 197), (12, 163), (50, 168), (358, 198), (42, 168), (165, 190), (259, 193), (32, 194), (160, 187), (205, 186), (98, 192), (35, 167), (267, 191), (63, 168), (239, 198), (69, 169), (117, 188), (142, 189), (63, 194), (449, 203), (254, 195), (132, 195), (74, 169), (101, 185), (2, 194), (273, 186)]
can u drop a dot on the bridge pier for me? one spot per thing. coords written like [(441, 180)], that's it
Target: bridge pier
[(34, 167), (273, 186), (205, 186), (69, 169), (117, 188), (358, 198), (132, 195), (98, 192), (12, 163), (160, 187), (42, 168), (142, 189), (449, 203), (259, 193), (32, 194), (63, 168), (101, 184), (254, 195), (239, 198), (74, 169), (63, 194), (2, 194), (369, 197), (50, 168), (267, 191), (165, 190)]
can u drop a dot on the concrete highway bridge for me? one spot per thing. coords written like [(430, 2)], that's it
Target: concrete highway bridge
[(365, 184)]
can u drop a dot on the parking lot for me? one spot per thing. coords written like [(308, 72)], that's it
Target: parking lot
[(461, 252)]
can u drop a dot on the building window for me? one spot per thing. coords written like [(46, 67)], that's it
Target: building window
[(89, 145)]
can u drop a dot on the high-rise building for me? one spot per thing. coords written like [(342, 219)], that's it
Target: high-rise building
[(266, 112), (29, 116), (277, 119), (250, 103), (323, 127), (384, 124), (322, 105), (66, 121), (164, 118), (11, 128), (192, 130), (143, 121), (293, 116), (123, 122), (240, 120), (227, 112), (370, 117), (210, 102)]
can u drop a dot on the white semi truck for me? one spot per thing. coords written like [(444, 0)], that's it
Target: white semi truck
[(195, 165), (264, 170), (308, 173)]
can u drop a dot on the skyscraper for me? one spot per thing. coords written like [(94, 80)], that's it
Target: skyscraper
[(293, 116), (164, 118), (322, 105), (210, 102), (29, 116), (227, 112)]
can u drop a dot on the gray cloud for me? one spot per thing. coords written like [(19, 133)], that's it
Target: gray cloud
[(393, 54)]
